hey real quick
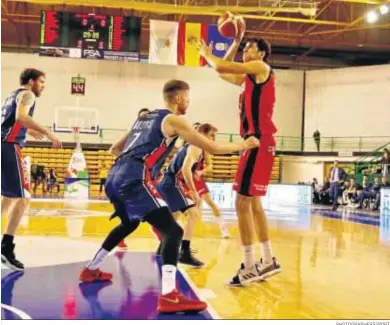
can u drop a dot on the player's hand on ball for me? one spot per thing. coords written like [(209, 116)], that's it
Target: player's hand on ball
[(203, 48), (252, 142), (56, 142), (35, 134)]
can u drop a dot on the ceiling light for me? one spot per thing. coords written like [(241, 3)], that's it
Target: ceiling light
[(372, 17), (384, 9)]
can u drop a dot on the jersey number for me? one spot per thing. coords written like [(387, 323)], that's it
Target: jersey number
[(136, 136)]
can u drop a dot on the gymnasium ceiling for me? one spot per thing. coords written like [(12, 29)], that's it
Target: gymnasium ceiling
[(299, 30)]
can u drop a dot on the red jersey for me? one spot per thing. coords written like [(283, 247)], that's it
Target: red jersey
[(257, 107)]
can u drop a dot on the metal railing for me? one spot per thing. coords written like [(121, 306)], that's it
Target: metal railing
[(346, 145)]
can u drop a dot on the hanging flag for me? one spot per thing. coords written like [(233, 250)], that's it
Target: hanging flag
[(220, 43), (189, 35), (163, 42)]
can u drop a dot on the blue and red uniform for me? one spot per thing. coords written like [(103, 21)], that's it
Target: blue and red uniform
[(173, 187), (256, 110), (14, 182), (129, 184)]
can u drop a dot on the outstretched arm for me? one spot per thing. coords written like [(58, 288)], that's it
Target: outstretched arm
[(176, 125)]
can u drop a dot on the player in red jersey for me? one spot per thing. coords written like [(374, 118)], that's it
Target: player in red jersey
[(255, 166)]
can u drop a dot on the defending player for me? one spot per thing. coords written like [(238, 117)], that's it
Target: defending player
[(134, 197), (178, 190), (16, 120), (255, 166)]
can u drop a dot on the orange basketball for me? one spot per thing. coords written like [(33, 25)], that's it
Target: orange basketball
[(230, 25)]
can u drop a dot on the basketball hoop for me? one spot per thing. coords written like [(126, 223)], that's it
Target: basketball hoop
[(76, 132)]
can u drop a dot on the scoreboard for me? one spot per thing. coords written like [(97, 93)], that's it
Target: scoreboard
[(90, 35)]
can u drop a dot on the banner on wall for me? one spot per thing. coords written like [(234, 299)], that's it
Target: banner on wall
[(163, 42), (277, 194)]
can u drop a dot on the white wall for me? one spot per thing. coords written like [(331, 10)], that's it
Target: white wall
[(348, 101), (120, 89)]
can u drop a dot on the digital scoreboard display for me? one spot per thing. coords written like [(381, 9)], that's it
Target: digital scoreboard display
[(91, 35)]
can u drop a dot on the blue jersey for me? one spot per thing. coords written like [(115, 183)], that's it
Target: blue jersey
[(12, 131), (174, 170), (147, 142)]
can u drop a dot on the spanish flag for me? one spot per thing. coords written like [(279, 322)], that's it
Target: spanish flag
[(189, 35)]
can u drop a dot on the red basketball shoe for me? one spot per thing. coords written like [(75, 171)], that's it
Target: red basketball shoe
[(122, 245), (174, 302), (87, 275)]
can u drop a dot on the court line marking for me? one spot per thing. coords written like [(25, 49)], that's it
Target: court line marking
[(16, 311), (197, 291)]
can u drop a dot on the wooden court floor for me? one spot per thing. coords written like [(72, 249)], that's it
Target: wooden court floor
[(332, 268)]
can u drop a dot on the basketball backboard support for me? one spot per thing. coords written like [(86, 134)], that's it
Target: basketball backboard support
[(66, 118)]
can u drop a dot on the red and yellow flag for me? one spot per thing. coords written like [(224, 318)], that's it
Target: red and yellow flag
[(189, 35)]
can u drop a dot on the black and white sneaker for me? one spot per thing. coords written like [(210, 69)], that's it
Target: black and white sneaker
[(8, 258), (246, 276), (268, 270), (188, 259)]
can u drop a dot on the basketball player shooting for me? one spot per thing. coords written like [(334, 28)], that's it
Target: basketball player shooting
[(16, 121), (255, 166), (131, 191)]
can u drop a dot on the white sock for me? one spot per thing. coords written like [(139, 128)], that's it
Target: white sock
[(266, 252), (168, 279), (249, 256), (98, 259)]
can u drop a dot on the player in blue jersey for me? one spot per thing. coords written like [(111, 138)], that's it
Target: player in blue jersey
[(16, 120), (179, 190), (142, 150)]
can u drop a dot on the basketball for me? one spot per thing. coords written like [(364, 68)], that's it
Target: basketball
[(230, 25)]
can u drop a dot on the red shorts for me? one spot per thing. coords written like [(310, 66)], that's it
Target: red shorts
[(201, 187), (254, 168)]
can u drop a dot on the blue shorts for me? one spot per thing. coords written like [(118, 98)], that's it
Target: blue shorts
[(130, 189), (14, 176), (176, 193)]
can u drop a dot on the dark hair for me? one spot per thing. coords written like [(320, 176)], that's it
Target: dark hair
[(142, 110), (385, 151), (206, 128), (28, 74), (262, 45), (172, 87)]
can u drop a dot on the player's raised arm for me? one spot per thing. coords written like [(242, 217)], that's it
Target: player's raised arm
[(235, 79), (222, 66), (177, 125)]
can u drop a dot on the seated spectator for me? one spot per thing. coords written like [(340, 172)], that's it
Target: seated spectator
[(52, 181), (316, 190), (373, 192), (40, 178), (351, 192), (324, 192), (34, 176), (343, 191)]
